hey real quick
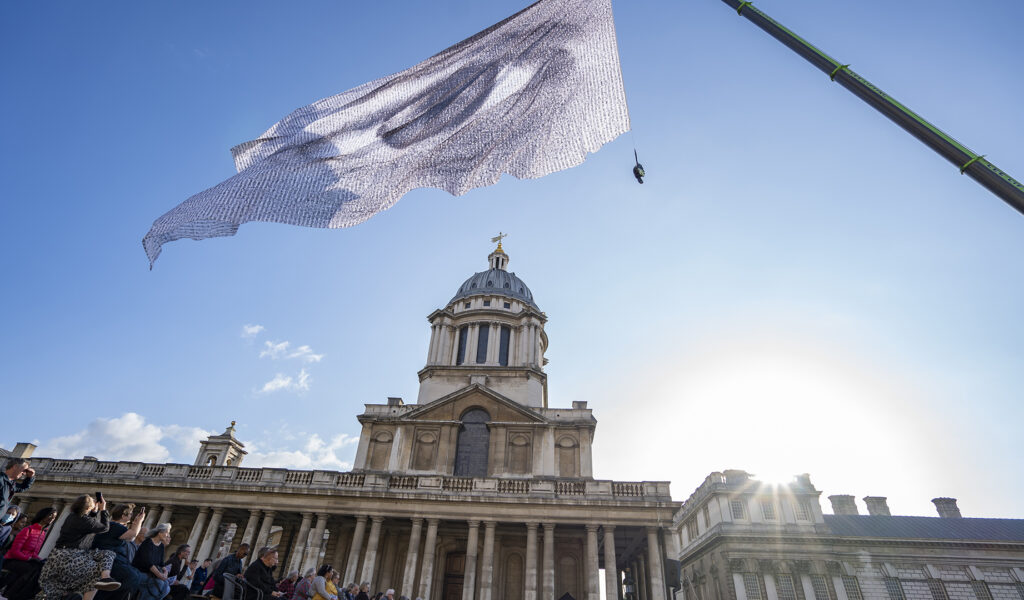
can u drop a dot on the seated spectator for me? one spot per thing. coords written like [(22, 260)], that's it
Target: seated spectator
[(22, 560), (70, 570), (118, 539), (304, 587), (178, 568), (7, 530), (260, 573), (186, 577), (199, 577), (351, 590), (229, 564), (20, 523), (335, 586), (364, 591), (287, 585), (150, 560), (323, 578)]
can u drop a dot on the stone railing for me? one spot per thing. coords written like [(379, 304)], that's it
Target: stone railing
[(186, 475)]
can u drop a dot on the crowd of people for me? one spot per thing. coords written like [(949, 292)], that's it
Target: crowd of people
[(106, 554)]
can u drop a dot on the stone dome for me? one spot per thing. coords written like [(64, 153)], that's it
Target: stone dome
[(495, 282)]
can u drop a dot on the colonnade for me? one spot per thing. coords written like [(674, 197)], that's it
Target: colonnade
[(357, 551)]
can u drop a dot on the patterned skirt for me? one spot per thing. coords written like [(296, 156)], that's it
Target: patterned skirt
[(72, 571)]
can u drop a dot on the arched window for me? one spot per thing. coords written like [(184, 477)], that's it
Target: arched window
[(211, 461), (474, 440)]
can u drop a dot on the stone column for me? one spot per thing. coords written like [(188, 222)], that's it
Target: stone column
[(593, 567), (409, 573), (264, 534), (530, 586), (353, 553), (657, 571), (429, 549), (371, 549), (314, 541), (487, 562), (299, 548), (197, 527), (611, 571), (641, 577), (250, 528), (344, 537), (469, 575), (212, 532), (166, 512), (51, 538), (151, 520), (548, 586)]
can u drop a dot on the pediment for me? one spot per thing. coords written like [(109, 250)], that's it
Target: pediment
[(452, 406)]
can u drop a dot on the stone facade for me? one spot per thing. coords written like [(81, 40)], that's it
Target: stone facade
[(479, 491), (740, 539), (482, 491)]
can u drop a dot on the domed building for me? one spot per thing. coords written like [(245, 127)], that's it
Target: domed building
[(479, 491), (482, 490)]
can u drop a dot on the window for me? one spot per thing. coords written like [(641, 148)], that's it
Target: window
[(707, 517), (752, 586), (481, 343), (506, 335), (784, 585), (463, 334), (895, 590), (487, 302), (937, 589), (739, 511), (820, 588), (466, 305), (852, 588), (508, 305), (802, 510), (472, 444), (981, 590), (768, 510), (691, 529)]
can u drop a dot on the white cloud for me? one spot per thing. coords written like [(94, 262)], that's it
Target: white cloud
[(306, 354), (274, 351), (128, 437), (251, 331), (300, 383), (315, 454), (281, 350)]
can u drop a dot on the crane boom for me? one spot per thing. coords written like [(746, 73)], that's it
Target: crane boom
[(973, 165)]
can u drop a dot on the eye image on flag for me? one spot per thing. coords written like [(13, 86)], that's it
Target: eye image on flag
[(529, 96)]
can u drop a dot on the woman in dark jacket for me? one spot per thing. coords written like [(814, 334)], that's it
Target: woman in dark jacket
[(70, 569), (123, 530)]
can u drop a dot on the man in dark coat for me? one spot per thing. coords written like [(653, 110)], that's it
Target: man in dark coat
[(229, 564), (260, 573)]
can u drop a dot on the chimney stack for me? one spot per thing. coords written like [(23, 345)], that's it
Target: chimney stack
[(877, 506), (23, 450), (947, 508), (843, 505)]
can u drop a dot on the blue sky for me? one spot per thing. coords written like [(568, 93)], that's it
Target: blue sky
[(799, 286)]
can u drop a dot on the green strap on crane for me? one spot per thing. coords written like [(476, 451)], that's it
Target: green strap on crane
[(971, 164)]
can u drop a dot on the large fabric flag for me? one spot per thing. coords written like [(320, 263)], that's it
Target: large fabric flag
[(528, 96)]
